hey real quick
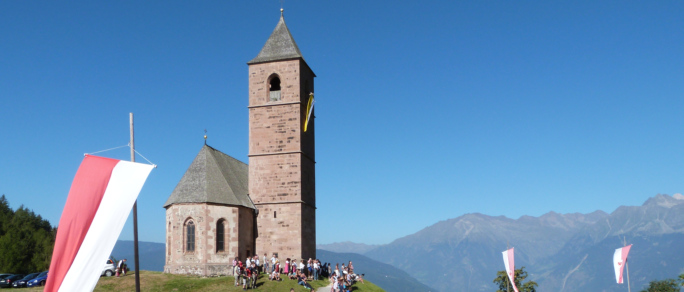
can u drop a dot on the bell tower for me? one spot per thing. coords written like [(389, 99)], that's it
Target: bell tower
[(282, 176)]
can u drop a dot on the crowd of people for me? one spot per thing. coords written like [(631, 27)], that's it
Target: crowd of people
[(247, 272), (343, 278)]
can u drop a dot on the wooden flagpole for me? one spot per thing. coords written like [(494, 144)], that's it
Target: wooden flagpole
[(508, 279), (135, 220), (629, 288)]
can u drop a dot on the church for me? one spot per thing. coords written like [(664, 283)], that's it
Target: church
[(223, 208)]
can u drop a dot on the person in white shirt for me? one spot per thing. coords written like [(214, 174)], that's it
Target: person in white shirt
[(265, 269), (301, 267), (273, 262), (316, 267), (336, 285), (121, 268)]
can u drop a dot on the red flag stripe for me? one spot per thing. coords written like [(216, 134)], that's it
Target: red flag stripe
[(84, 199)]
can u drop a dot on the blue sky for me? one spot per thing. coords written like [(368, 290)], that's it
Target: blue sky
[(426, 110)]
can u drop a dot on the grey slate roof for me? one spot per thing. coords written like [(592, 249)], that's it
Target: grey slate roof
[(213, 177), (279, 46)]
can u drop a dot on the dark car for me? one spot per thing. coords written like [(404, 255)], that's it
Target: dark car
[(38, 281), (7, 281), (23, 281), (2, 276)]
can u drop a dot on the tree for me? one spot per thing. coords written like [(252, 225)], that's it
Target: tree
[(520, 275), (667, 285), (26, 240), (6, 214)]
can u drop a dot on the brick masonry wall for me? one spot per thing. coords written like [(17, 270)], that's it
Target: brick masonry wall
[(275, 178), (279, 227), (281, 161), (290, 78), (274, 129), (205, 260)]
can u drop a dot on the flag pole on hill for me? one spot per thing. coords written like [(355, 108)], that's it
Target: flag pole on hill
[(629, 289), (620, 263), (135, 220), (508, 287)]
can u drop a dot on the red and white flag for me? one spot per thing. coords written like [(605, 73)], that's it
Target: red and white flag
[(509, 262), (101, 197), (619, 260)]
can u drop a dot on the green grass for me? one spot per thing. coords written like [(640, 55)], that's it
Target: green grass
[(158, 281)]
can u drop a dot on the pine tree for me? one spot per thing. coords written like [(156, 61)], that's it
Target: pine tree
[(668, 285), (6, 214), (502, 281), (26, 240)]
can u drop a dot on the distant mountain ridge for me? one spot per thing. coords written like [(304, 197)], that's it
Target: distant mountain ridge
[(346, 247), (151, 254), (562, 252)]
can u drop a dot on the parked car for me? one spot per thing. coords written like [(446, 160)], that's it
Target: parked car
[(2, 276), (38, 281), (109, 268), (23, 281), (7, 281)]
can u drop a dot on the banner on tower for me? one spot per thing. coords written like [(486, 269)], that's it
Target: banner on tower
[(509, 262), (309, 110), (100, 199), (619, 260)]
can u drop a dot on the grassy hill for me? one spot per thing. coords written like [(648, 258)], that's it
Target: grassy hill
[(158, 281)]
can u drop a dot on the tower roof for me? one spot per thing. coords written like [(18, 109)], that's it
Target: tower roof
[(213, 177), (279, 46)]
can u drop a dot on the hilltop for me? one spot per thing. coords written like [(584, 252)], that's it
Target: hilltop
[(160, 282)]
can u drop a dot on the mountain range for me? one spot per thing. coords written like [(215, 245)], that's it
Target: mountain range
[(561, 252)]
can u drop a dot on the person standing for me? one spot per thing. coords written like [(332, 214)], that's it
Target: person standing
[(255, 275), (246, 277), (336, 286), (287, 266), (273, 262), (317, 269), (265, 263), (121, 267), (237, 272), (258, 264)]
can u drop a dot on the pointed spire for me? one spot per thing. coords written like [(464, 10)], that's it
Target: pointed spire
[(279, 46)]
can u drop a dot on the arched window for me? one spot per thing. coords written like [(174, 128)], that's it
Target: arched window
[(274, 88), (220, 236), (190, 236)]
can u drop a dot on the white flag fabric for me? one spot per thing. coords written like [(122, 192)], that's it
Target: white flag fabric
[(100, 199), (509, 262), (619, 260)]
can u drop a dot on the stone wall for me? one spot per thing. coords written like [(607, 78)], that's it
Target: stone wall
[(282, 160), (206, 260)]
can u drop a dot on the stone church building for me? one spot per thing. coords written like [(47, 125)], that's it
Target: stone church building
[(223, 208)]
